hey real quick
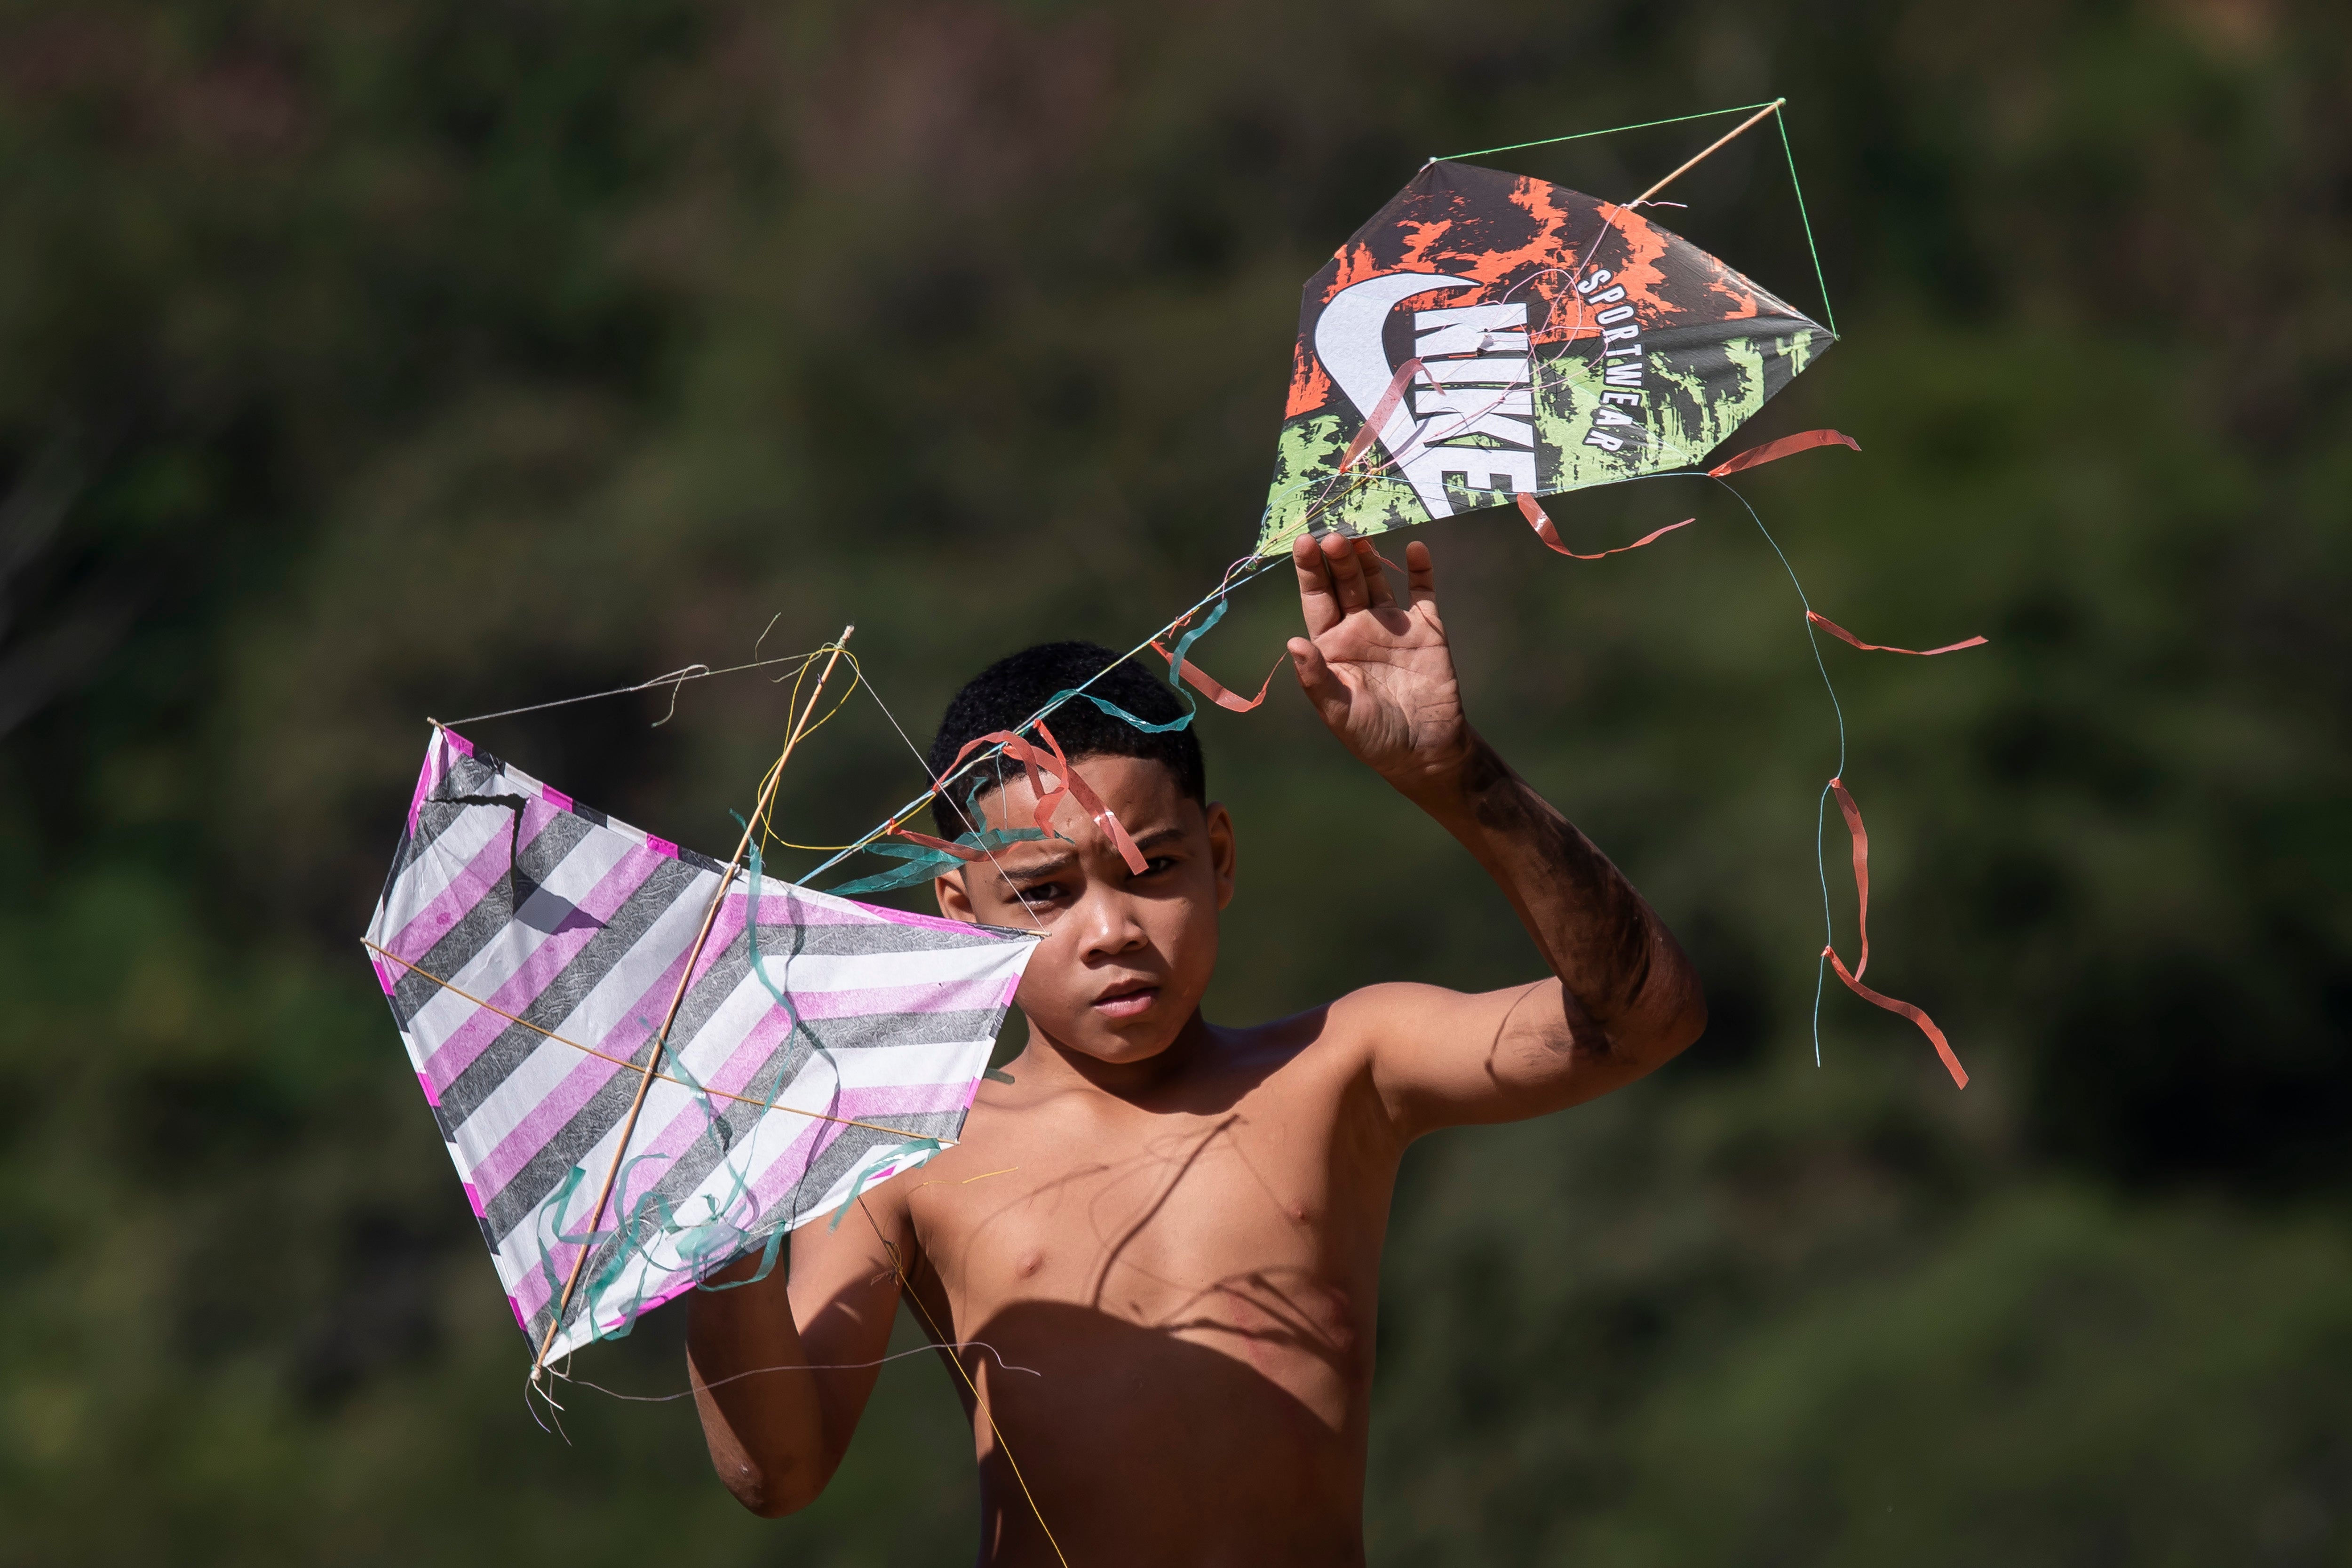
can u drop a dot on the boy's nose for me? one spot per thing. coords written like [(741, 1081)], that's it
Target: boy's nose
[(1109, 923)]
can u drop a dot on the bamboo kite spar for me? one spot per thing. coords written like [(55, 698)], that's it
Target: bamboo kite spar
[(685, 979)]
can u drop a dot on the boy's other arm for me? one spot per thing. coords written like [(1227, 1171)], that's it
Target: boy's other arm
[(776, 1435), (1622, 998)]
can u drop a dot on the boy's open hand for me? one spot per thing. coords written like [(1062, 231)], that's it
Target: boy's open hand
[(1379, 672)]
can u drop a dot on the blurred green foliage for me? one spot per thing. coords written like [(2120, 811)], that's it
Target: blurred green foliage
[(362, 362)]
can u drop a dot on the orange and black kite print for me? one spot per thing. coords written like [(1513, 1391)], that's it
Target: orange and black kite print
[(1561, 341)]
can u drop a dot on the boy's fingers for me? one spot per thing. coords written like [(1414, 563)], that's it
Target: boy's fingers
[(1316, 602), (1376, 582), (1346, 573), (1420, 574), (1315, 678)]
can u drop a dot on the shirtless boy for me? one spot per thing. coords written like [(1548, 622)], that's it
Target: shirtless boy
[(1180, 1229)]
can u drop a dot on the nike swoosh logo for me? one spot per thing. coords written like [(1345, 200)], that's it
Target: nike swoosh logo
[(1348, 341)]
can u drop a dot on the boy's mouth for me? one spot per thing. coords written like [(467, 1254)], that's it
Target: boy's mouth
[(1127, 1001)]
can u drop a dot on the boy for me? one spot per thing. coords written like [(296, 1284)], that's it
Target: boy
[(1166, 1234)]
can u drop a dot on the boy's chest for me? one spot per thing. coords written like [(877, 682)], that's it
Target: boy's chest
[(1259, 1219)]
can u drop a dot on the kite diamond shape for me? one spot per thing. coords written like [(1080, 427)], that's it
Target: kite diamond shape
[(1506, 336), (529, 948)]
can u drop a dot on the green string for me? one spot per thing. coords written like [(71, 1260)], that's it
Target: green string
[(1781, 121), (1580, 136), (1831, 315)]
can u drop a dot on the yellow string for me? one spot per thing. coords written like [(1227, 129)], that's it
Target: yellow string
[(766, 823), (980, 1400)]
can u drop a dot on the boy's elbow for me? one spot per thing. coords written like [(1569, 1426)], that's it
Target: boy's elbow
[(1683, 1021), (773, 1494), (1690, 1023)]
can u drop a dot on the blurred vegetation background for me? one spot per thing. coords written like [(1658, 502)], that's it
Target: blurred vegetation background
[(362, 362)]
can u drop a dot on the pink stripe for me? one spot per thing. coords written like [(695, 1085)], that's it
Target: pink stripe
[(781, 904), (921, 922), (532, 1295), (459, 741), (432, 1097), (427, 776), (475, 1198), (449, 906), (944, 996), (547, 1119), (481, 873), (661, 845), (535, 1291), (901, 1099), (859, 1104), (758, 1042), (517, 1148), (806, 1147), (680, 1286), (552, 1114), (470, 1038), (768, 1190)]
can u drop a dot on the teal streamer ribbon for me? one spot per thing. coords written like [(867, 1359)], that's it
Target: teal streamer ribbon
[(595, 1285), (1183, 645), (874, 1161), (923, 863)]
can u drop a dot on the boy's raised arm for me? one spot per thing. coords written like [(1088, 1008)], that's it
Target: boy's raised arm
[(1624, 997), (782, 1371)]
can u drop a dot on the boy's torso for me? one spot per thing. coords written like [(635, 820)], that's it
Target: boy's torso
[(1191, 1281)]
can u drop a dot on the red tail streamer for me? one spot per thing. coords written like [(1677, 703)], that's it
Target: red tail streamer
[(1021, 751), (1208, 686), (1092, 804), (1852, 977), (1379, 417), (1843, 635), (960, 851), (1540, 520), (1052, 763), (1786, 446)]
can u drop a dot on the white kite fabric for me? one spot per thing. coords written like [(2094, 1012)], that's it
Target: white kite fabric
[(530, 948)]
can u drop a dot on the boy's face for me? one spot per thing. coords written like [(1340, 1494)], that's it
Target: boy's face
[(1125, 958)]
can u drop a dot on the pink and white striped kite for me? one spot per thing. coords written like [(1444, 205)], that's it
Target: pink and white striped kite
[(530, 948)]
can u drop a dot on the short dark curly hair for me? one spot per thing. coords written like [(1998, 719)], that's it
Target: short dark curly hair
[(1017, 685)]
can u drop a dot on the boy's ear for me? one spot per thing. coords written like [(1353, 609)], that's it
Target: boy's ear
[(955, 902), (1221, 850)]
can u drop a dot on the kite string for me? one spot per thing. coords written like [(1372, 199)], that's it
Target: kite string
[(1234, 577), (1788, 151), (1828, 312), (980, 1400), (1820, 807), (673, 680), (796, 1366), (1582, 135), (986, 848), (1821, 865)]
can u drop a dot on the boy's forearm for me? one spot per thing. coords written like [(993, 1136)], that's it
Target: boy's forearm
[(1611, 951), (766, 1428)]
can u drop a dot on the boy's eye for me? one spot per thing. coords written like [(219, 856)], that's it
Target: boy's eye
[(1157, 864)]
